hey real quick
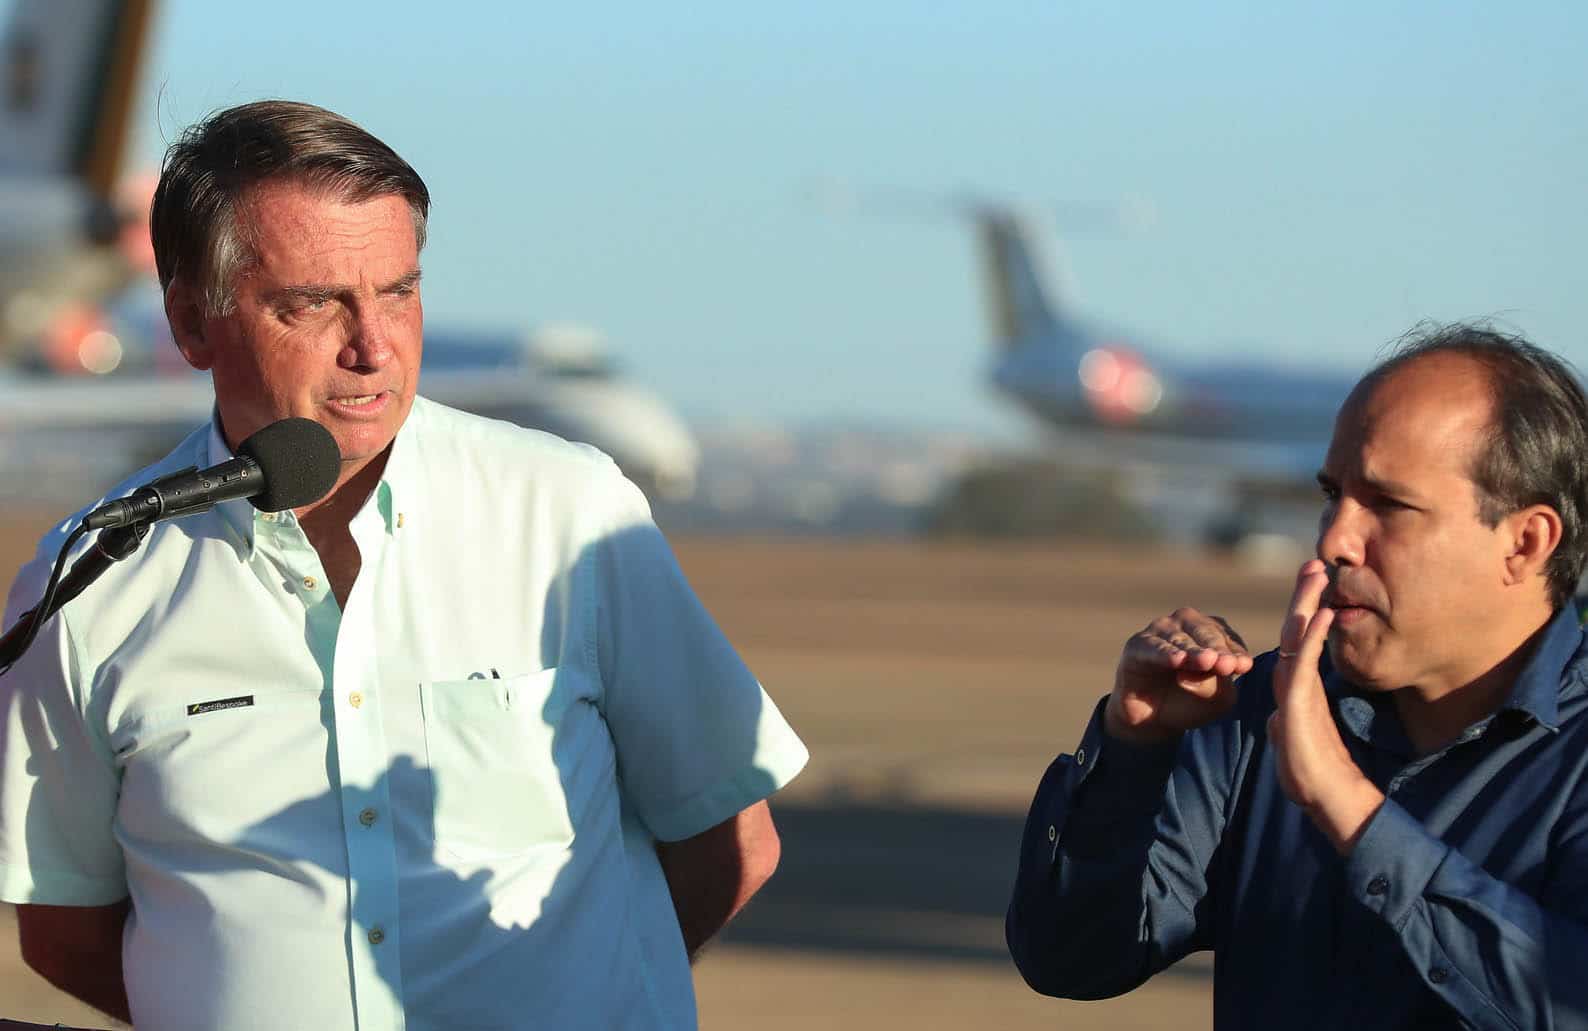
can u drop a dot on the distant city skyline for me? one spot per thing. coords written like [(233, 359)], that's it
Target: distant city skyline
[(1322, 178)]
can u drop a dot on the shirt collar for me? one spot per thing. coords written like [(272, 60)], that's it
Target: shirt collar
[(1536, 691), (242, 518)]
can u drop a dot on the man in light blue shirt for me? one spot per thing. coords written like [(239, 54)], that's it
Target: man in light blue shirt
[(455, 747)]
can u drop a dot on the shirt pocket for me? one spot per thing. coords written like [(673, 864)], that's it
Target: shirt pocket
[(231, 767), (513, 762)]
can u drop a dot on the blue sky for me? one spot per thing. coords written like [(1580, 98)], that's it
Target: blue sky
[(1322, 178)]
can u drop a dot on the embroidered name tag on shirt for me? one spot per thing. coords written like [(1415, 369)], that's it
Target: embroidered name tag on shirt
[(240, 702)]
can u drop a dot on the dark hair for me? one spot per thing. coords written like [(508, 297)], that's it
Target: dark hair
[(1536, 447), (193, 221)]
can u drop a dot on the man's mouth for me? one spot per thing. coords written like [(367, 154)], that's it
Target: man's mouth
[(356, 401), (1347, 608)]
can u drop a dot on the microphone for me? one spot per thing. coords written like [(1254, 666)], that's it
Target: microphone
[(288, 464)]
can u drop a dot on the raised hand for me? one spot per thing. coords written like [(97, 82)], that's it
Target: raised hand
[(1176, 674), (1314, 767)]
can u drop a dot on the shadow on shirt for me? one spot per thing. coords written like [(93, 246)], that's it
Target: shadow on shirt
[(526, 827), (542, 845)]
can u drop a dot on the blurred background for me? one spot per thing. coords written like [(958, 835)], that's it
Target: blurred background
[(951, 342)]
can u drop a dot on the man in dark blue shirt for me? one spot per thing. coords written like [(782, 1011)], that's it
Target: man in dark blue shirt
[(1384, 823)]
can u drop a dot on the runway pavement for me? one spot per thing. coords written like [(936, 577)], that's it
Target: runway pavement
[(933, 684)]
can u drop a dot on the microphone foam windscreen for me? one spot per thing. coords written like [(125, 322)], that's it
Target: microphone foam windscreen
[(299, 460)]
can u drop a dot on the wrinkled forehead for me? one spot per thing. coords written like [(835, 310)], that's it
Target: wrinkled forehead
[(266, 198), (288, 220)]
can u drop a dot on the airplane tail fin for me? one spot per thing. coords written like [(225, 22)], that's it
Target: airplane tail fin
[(68, 71), (1022, 291)]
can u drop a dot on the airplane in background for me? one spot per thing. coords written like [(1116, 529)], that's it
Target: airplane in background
[(1095, 382), (1072, 374), (86, 360), (73, 226), (1227, 451), (1220, 449)]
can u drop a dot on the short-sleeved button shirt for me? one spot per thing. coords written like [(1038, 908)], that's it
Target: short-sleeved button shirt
[(434, 809)]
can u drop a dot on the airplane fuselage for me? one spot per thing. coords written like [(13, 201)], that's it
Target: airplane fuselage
[(1108, 386)]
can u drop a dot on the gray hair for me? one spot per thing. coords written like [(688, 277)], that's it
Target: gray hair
[(1534, 450), (193, 222)]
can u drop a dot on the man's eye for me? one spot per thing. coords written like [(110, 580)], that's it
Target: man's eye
[(304, 308)]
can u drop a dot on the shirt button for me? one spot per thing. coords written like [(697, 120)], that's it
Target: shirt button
[(1080, 757), (309, 583), (399, 520), (1053, 833), (1378, 885), (1438, 975), (355, 699), (367, 817), (376, 935)]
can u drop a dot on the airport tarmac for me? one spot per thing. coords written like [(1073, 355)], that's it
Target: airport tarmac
[(933, 684)]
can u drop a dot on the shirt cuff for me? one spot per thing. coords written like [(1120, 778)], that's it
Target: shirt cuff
[(50, 888), (775, 766), (1392, 863), (1121, 776), (1116, 790)]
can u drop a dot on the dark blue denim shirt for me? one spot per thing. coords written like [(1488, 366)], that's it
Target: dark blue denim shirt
[(1463, 905)]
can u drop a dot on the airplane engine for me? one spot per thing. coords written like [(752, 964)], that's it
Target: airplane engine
[(1119, 386)]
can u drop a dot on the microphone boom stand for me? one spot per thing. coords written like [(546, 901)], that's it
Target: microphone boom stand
[(111, 546)]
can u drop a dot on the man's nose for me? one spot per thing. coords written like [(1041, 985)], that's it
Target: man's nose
[(369, 344), (1341, 534)]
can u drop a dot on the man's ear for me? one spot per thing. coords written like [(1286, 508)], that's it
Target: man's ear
[(184, 310), (1533, 535)]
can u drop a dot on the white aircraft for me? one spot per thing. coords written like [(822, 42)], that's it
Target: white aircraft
[(73, 229), (86, 361)]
